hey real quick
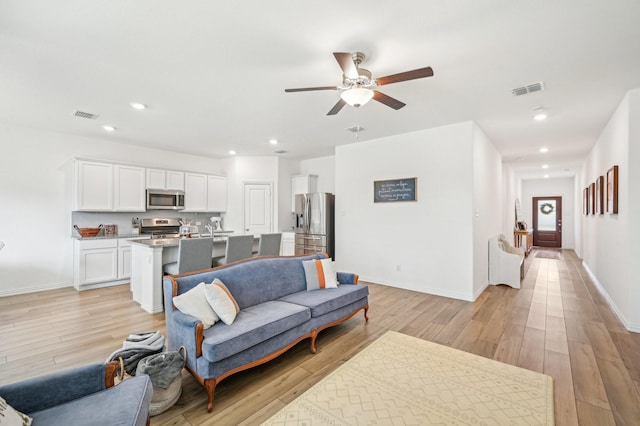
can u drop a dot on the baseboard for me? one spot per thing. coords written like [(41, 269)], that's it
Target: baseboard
[(635, 328), (33, 289), (428, 290)]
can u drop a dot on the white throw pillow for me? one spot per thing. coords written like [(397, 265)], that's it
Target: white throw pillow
[(320, 274), (222, 302), (9, 416), (194, 302)]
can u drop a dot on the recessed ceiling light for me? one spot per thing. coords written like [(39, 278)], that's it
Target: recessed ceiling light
[(546, 176), (273, 141), (109, 128), (544, 149), (545, 166), (232, 152), (138, 105), (539, 113)]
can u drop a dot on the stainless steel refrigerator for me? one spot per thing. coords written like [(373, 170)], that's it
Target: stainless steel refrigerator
[(315, 223)]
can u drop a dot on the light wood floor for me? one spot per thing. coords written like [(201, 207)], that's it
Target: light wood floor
[(558, 324)]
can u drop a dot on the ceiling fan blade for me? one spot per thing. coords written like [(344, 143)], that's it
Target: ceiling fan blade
[(345, 60), (307, 89), (404, 76), (387, 100), (337, 107)]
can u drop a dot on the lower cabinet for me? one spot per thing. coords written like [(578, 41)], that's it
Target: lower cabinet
[(101, 262), (288, 244)]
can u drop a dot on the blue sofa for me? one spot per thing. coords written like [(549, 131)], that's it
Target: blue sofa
[(74, 396), (276, 312)]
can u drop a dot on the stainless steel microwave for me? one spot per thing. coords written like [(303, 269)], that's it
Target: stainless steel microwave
[(160, 199)]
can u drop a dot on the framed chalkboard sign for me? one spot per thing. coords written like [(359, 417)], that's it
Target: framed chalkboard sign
[(394, 190)]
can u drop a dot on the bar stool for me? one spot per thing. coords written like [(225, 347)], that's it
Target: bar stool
[(194, 254), (269, 245), (238, 247)]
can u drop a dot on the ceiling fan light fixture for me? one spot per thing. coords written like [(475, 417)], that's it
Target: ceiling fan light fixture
[(357, 96)]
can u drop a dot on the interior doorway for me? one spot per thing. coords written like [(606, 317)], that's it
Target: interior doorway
[(258, 208), (547, 221)]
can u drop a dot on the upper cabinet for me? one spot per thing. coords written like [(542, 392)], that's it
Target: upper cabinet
[(108, 187), (128, 194), (302, 184), (205, 193), (165, 179), (93, 186), (195, 192), (216, 194)]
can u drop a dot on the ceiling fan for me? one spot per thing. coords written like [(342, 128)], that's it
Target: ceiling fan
[(358, 86)]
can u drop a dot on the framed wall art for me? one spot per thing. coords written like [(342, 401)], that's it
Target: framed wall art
[(592, 198), (395, 190), (585, 201), (599, 195), (612, 190)]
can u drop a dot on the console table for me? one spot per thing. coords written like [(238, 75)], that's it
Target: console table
[(518, 235)]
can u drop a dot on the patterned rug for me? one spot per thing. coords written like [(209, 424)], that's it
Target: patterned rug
[(548, 255), (403, 380)]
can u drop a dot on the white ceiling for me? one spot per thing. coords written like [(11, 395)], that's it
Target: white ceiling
[(213, 73)]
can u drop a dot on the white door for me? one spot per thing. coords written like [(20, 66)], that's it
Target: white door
[(257, 208)]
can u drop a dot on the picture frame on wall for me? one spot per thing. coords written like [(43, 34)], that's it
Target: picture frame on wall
[(592, 197), (612, 190), (600, 195), (585, 201), (395, 190)]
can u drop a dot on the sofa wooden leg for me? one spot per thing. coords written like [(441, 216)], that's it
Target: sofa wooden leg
[(314, 334), (210, 387), (366, 310)]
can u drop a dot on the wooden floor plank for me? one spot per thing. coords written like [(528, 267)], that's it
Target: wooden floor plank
[(557, 323)]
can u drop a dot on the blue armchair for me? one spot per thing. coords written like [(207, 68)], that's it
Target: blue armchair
[(81, 395)]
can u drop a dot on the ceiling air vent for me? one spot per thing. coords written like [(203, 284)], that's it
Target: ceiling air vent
[(83, 114), (531, 88), (281, 151)]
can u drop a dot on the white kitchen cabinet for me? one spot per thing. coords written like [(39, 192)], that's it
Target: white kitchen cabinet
[(165, 179), (302, 184), (216, 193), (95, 261), (195, 192), (93, 186), (129, 185), (175, 180), (288, 244), (124, 257), (108, 187), (156, 179)]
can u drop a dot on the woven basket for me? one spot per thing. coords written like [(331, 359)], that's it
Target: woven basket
[(88, 232), (163, 399)]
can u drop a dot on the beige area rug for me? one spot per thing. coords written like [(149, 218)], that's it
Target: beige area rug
[(403, 380)]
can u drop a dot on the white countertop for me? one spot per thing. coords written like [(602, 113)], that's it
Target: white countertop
[(174, 242)]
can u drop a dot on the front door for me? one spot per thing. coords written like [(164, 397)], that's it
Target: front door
[(257, 208), (547, 221)]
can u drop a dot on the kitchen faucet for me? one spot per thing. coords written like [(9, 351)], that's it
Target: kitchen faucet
[(209, 228)]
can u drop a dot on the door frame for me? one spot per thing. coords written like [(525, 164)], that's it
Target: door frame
[(244, 207), (534, 216)]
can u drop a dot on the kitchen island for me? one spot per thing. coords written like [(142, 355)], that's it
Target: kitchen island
[(148, 258)]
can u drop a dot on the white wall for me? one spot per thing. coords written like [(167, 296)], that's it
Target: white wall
[(431, 240), (510, 192), (610, 247), (250, 170), (286, 169), (560, 187), (324, 167), (487, 203), (35, 192)]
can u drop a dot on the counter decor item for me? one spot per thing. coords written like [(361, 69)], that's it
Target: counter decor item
[(110, 230), (88, 232)]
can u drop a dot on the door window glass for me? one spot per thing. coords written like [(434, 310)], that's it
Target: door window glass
[(547, 215)]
